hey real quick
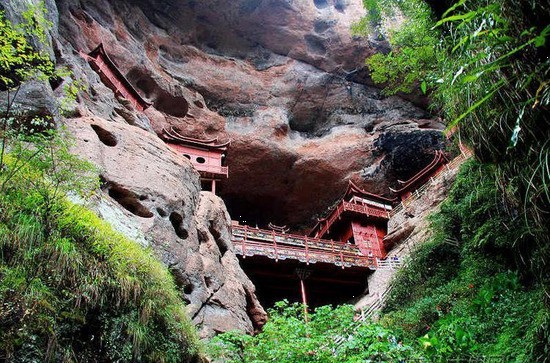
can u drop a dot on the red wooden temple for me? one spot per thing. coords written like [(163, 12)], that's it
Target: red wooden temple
[(113, 78), (337, 252), (359, 219), (208, 156), (420, 178)]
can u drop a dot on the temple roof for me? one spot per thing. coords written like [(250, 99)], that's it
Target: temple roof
[(172, 135), (354, 190), (428, 170), (100, 51)]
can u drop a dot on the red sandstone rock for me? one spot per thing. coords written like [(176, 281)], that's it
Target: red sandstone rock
[(154, 198), (268, 75)]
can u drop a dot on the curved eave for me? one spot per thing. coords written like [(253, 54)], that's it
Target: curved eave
[(354, 190), (100, 50), (176, 135), (172, 135), (406, 185)]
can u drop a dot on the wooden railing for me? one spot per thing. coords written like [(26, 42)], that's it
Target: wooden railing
[(445, 172), (214, 169), (353, 207), (249, 241)]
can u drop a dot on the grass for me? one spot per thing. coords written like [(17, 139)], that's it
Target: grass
[(479, 297), (83, 292)]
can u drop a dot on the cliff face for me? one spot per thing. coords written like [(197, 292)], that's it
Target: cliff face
[(281, 79), (275, 77), (153, 196)]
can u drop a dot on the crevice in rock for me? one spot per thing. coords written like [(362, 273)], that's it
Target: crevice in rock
[(106, 137), (202, 235), (177, 222), (188, 289), (55, 82), (162, 212), (320, 4), (206, 302), (128, 200), (227, 109), (222, 245)]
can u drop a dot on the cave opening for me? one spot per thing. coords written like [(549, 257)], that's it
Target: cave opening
[(326, 284), (254, 210)]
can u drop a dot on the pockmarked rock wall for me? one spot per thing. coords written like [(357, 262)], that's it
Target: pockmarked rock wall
[(153, 196), (284, 80)]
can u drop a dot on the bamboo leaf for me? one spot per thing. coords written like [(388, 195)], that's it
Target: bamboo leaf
[(457, 74), (475, 105), (464, 17), (453, 8), (423, 87)]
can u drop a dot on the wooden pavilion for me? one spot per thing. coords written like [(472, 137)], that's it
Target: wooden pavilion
[(208, 156)]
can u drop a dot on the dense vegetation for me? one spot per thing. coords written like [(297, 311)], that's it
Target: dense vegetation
[(467, 291), (71, 289), (479, 287), (325, 336), (481, 283)]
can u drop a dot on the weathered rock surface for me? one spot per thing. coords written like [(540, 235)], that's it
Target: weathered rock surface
[(32, 100), (282, 79), (228, 297), (152, 195), (273, 76)]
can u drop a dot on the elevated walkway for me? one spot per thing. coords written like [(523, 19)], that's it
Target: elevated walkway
[(249, 241)]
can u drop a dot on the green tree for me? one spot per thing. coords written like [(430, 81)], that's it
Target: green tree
[(20, 62), (331, 335)]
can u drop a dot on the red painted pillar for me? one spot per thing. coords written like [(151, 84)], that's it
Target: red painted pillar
[(304, 299)]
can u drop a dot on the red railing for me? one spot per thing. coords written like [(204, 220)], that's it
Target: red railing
[(280, 246), (364, 209), (442, 173), (354, 207), (214, 169)]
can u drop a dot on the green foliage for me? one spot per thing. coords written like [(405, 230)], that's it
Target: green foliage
[(467, 291), (414, 45), (287, 338), (19, 61), (71, 288)]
